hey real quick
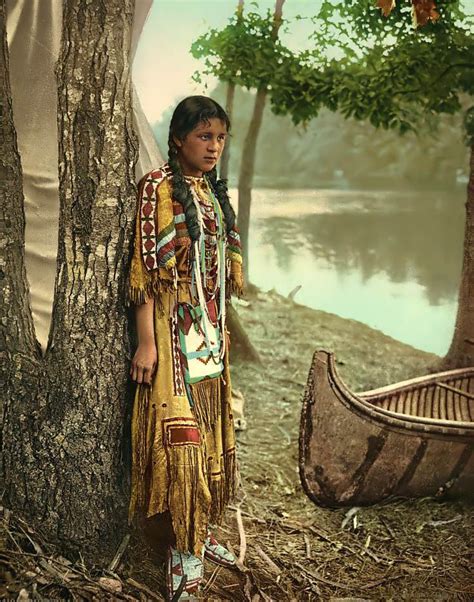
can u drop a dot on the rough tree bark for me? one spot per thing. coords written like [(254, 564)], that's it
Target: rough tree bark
[(247, 164), (461, 351), (64, 418), (19, 353)]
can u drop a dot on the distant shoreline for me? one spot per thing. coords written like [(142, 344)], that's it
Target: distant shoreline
[(371, 184)]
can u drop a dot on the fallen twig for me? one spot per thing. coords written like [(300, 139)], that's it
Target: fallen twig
[(319, 577), (380, 582), (212, 578), (243, 539), (273, 567), (143, 588), (54, 572), (121, 549)]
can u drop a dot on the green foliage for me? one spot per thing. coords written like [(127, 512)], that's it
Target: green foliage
[(387, 73), (362, 22), (364, 65), (243, 52)]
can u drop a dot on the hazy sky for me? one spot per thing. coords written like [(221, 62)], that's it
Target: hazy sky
[(163, 65)]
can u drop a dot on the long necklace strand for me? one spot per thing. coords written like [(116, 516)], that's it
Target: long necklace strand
[(199, 253)]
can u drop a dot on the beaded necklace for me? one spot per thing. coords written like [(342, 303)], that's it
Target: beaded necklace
[(200, 272)]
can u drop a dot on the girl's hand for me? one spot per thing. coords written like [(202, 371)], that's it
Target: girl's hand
[(144, 363)]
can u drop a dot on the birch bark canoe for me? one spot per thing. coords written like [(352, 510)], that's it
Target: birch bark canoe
[(410, 439)]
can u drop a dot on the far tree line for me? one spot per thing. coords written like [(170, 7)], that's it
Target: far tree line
[(333, 151)]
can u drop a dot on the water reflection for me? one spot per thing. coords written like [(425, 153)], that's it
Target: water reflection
[(402, 252)]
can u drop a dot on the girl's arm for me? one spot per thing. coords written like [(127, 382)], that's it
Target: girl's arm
[(145, 359)]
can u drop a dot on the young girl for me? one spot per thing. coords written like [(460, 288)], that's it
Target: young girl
[(186, 264)]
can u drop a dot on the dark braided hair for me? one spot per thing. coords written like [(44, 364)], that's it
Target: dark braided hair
[(188, 114), (220, 190)]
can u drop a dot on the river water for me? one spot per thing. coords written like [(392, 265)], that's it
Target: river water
[(389, 259)]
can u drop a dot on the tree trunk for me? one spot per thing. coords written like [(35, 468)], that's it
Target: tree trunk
[(65, 412), (241, 347), (19, 353), (229, 107), (461, 352), (247, 164)]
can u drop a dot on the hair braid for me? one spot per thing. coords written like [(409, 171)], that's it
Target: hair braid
[(182, 192), (220, 190)]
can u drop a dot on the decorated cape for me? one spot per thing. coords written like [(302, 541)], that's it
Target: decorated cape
[(160, 227)]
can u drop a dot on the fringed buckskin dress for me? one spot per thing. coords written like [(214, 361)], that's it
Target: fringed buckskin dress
[(183, 441)]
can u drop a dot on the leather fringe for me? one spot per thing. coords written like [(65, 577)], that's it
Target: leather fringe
[(143, 436), (154, 287), (231, 474), (207, 402), (235, 281), (223, 489), (235, 289), (188, 497)]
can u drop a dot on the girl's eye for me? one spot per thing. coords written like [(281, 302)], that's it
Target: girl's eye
[(204, 136)]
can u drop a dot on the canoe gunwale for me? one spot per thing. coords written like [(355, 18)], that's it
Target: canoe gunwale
[(363, 406)]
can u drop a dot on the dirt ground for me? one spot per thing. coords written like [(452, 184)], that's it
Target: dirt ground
[(294, 550)]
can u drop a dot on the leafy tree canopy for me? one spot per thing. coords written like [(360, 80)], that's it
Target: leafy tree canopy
[(362, 64), (386, 72), (243, 52)]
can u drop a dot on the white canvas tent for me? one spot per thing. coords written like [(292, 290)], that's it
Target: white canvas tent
[(34, 37)]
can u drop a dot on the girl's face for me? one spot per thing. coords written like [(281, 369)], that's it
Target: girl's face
[(202, 147)]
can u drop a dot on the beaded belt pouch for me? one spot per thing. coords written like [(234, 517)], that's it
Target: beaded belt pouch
[(200, 343)]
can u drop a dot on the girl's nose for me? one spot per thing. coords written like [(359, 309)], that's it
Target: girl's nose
[(213, 145)]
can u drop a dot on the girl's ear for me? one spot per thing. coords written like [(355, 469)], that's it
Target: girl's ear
[(178, 142)]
